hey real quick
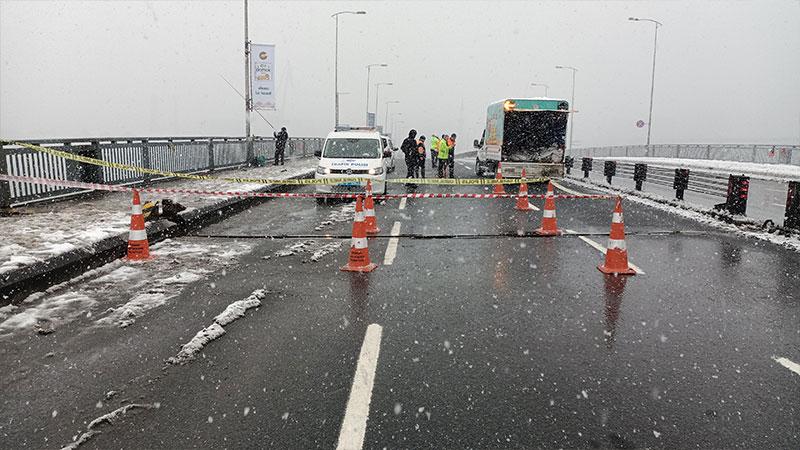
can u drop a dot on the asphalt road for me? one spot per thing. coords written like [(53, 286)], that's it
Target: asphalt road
[(482, 342)]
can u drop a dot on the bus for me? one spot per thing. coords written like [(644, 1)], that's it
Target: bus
[(527, 133)]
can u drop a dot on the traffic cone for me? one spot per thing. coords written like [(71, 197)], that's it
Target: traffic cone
[(138, 247), (369, 212), (549, 226), (522, 198), (498, 188), (617, 254), (359, 253)]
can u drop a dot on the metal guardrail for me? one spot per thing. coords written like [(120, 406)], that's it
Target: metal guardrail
[(174, 154), (757, 153)]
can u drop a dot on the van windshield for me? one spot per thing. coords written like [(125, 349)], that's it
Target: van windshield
[(352, 148)]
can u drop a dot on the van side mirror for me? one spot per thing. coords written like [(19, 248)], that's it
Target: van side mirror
[(476, 143), (318, 153), (387, 153)]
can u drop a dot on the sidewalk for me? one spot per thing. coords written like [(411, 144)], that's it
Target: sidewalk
[(37, 234), (770, 172)]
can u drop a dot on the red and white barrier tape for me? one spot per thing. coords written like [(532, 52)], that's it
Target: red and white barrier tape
[(116, 188)]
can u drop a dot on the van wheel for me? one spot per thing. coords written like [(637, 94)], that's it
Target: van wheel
[(478, 169)]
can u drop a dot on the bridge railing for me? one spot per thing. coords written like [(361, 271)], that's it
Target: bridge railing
[(170, 154), (757, 153)]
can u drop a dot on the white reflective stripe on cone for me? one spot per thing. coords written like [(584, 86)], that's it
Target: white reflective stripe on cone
[(136, 209), (359, 216), (549, 214), (370, 213), (549, 194), (137, 235), (616, 217), (617, 244), (358, 242)]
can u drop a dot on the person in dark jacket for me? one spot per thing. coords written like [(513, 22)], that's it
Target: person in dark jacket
[(421, 154), (409, 148), (451, 160), (280, 144)]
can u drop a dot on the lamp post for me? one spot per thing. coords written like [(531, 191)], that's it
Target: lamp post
[(386, 115), (336, 64), (369, 67), (377, 92), (571, 103), (652, 75), (542, 85)]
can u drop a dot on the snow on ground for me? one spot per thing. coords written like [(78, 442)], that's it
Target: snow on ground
[(119, 292), (108, 418), (775, 172), (237, 309), (233, 312), (36, 233), (693, 213)]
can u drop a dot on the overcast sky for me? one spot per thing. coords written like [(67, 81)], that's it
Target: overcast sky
[(726, 71)]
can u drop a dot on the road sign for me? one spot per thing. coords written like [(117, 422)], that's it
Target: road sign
[(370, 119), (639, 123)]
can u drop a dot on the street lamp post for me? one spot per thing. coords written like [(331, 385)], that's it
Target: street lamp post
[(377, 92), (386, 115), (336, 64), (652, 75), (542, 85), (571, 103), (369, 67)]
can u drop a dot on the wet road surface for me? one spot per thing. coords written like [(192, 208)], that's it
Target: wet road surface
[(487, 342)]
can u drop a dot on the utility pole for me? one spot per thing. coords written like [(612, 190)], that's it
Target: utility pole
[(248, 101)]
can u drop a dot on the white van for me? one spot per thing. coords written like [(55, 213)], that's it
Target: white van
[(353, 153)]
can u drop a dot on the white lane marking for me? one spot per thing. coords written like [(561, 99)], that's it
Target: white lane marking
[(567, 190), (785, 362), (533, 207), (391, 248), (603, 250), (779, 204), (354, 425), (402, 203)]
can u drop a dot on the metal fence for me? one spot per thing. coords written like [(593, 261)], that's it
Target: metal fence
[(766, 154), (172, 154)]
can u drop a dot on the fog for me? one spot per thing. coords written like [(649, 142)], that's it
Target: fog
[(726, 71)]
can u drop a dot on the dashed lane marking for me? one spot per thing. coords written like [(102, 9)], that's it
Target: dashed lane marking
[(785, 362), (603, 250), (354, 425), (402, 203), (391, 248)]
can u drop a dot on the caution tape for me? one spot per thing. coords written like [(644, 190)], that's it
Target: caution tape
[(244, 194), (305, 181)]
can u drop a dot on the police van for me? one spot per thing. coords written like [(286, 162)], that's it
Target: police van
[(353, 153)]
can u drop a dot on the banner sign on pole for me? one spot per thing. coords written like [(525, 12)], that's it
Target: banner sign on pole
[(371, 119), (262, 75)]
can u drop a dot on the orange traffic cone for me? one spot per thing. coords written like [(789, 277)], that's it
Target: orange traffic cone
[(138, 247), (549, 226), (359, 253), (617, 254), (498, 188), (369, 212), (522, 198)]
